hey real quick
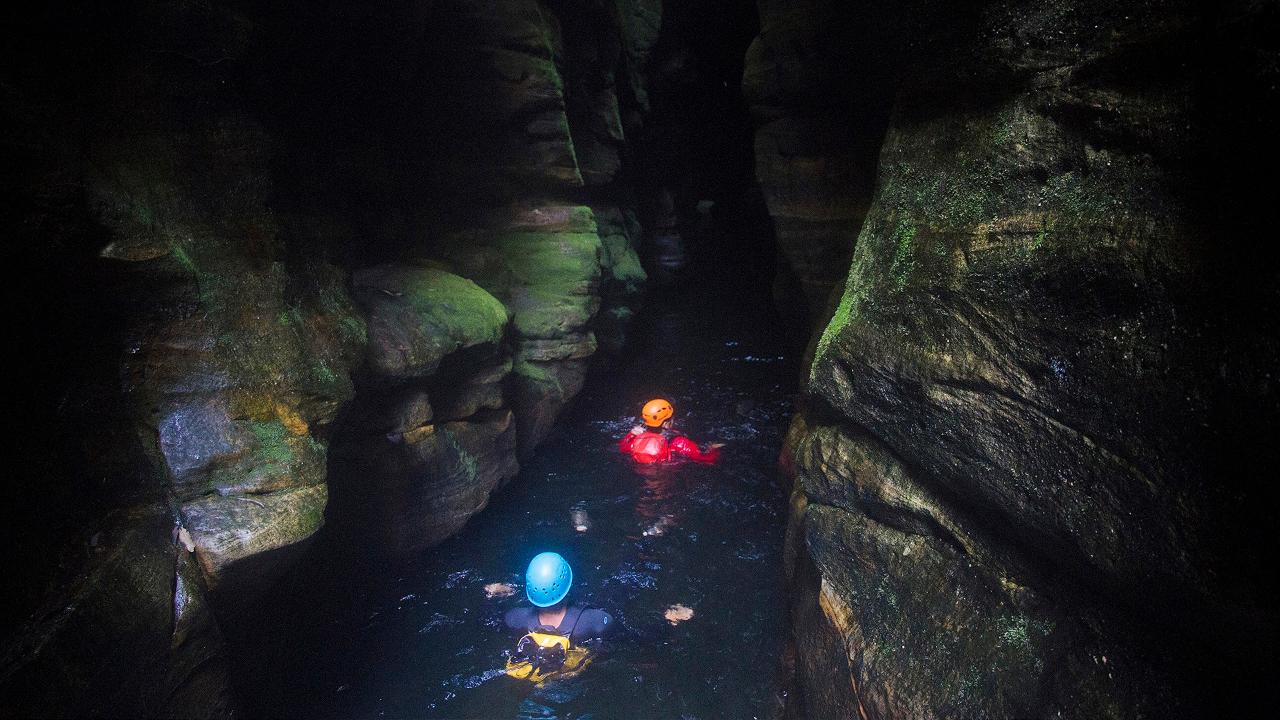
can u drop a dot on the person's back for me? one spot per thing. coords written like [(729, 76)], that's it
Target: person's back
[(646, 446), (554, 631), (578, 623), (650, 443)]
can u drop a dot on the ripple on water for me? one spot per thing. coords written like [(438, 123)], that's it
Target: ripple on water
[(632, 577), (472, 682), (437, 620), (456, 578)]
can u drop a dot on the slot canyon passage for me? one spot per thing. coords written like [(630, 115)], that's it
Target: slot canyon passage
[(330, 316)]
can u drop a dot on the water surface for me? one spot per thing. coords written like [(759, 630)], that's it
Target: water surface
[(420, 639)]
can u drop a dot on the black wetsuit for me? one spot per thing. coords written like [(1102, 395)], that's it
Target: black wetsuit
[(581, 623)]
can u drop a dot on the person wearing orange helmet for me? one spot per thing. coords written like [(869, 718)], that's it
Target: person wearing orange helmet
[(656, 442)]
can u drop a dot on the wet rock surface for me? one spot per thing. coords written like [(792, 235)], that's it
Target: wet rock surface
[(187, 441), (419, 315), (1017, 493), (288, 234), (817, 135), (226, 272)]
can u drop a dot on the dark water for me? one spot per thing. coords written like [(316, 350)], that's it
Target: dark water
[(422, 640)]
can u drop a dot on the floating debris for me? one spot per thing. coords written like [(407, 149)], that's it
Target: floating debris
[(659, 527), (677, 614), (499, 590)]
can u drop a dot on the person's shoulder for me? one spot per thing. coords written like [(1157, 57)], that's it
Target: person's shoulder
[(519, 618)]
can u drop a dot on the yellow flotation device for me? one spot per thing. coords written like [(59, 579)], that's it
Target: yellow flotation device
[(542, 656)]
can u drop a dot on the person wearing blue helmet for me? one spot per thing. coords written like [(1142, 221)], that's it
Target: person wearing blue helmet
[(546, 584)]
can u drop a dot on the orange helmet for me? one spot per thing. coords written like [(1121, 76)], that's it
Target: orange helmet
[(656, 412)]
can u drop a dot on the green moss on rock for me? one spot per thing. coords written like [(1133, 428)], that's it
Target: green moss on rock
[(417, 315)]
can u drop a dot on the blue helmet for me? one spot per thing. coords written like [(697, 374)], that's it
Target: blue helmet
[(547, 580)]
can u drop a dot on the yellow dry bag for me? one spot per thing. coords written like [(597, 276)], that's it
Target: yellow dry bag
[(541, 656)]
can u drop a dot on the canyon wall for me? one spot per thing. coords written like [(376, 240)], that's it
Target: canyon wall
[(297, 268), (817, 135), (194, 363), (1030, 471)]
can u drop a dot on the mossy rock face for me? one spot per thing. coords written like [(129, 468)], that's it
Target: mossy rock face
[(238, 536), (641, 24), (544, 263), (1027, 371), (622, 277), (497, 67), (554, 278), (236, 394), (539, 391), (549, 280), (816, 140), (592, 51), (418, 315)]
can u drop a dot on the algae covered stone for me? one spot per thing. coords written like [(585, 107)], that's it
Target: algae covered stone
[(418, 314)]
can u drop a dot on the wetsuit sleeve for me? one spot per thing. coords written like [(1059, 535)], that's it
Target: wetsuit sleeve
[(520, 619), (689, 449), (627, 442), (593, 624)]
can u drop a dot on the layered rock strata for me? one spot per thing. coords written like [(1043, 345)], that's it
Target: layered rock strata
[(429, 435), (540, 90), (197, 428), (1019, 489), (817, 135)]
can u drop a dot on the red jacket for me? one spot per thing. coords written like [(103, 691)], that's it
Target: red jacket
[(651, 447)]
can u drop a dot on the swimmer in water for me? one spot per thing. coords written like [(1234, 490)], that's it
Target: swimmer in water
[(547, 584), (555, 631), (655, 441)]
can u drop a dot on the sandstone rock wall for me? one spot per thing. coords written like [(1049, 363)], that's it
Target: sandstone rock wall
[(537, 147), (195, 427), (1029, 465), (819, 80), (296, 278)]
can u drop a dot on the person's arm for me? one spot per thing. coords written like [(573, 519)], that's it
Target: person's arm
[(628, 441), (594, 624), (689, 449)]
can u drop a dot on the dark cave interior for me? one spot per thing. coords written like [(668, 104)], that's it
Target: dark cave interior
[(1014, 251)]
